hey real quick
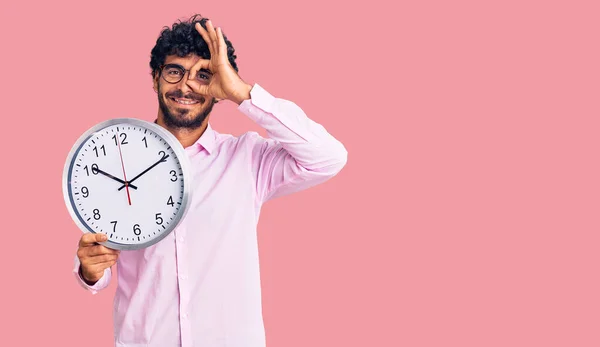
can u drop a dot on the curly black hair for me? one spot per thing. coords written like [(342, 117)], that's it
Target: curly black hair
[(183, 39)]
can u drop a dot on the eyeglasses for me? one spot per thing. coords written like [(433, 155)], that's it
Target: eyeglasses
[(173, 73)]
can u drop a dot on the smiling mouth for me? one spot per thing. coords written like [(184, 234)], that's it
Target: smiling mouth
[(185, 101)]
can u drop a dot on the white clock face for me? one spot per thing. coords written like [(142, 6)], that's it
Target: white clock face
[(127, 180)]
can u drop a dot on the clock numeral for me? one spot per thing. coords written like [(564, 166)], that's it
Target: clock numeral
[(102, 148), (163, 155), (123, 139), (137, 230), (85, 192), (96, 214), (159, 219), (114, 222), (174, 178), (170, 201), (145, 142), (94, 169)]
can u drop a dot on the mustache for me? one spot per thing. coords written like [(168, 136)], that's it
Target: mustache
[(192, 96)]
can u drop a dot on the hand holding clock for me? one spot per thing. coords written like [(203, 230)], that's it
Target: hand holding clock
[(94, 258)]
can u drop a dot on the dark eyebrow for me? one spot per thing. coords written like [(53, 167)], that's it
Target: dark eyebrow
[(174, 65), (182, 68)]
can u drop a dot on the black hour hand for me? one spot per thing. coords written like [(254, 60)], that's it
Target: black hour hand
[(113, 177)]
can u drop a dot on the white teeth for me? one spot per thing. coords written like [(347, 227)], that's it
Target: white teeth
[(186, 102)]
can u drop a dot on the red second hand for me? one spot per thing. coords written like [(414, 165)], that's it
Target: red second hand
[(124, 175)]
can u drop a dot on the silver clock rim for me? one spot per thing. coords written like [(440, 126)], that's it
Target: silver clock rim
[(181, 156)]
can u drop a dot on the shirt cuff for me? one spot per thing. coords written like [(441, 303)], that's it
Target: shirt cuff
[(94, 288), (260, 98), (270, 112)]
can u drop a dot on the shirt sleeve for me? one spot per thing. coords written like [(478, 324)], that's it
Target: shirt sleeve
[(298, 153), (98, 286)]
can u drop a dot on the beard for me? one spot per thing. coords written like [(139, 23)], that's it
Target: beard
[(183, 118)]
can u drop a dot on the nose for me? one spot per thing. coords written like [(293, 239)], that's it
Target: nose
[(183, 84)]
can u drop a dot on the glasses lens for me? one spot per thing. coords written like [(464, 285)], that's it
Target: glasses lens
[(172, 73)]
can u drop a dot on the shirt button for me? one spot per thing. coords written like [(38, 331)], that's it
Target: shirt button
[(181, 239), (184, 316)]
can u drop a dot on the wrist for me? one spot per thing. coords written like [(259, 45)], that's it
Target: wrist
[(82, 276), (242, 93)]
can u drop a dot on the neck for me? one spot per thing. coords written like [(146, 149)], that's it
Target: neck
[(186, 137)]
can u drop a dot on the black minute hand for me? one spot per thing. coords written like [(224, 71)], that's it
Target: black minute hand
[(164, 158), (113, 177)]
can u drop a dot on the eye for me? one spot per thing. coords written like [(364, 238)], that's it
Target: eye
[(171, 70), (203, 76)]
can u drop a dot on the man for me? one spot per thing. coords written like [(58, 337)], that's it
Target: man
[(200, 285)]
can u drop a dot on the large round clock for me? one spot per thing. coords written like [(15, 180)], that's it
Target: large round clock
[(129, 179)]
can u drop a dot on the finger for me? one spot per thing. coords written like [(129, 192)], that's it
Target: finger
[(100, 250), (206, 37), (90, 239), (221, 44), (197, 87), (212, 35), (194, 85), (200, 64), (86, 252), (101, 266), (90, 261)]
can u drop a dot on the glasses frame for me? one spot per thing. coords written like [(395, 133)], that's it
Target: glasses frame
[(182, 75)]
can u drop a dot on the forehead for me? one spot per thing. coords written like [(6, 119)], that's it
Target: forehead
[(187, 62)]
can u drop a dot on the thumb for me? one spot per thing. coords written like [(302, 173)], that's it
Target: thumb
[(90, 239), (197, 87)]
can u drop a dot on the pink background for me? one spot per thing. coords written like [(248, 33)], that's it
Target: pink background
[(468, 213)]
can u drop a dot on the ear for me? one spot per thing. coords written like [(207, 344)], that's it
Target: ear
[(155, 82)]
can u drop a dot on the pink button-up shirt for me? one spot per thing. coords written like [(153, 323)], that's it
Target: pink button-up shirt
[(200, 285)]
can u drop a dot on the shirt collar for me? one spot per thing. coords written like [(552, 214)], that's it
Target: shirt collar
[(208, 140)]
